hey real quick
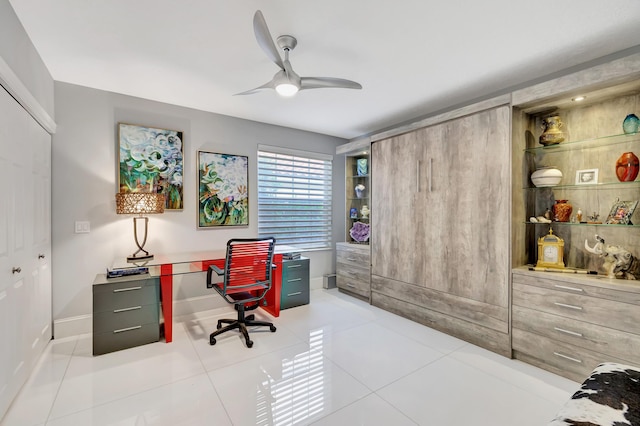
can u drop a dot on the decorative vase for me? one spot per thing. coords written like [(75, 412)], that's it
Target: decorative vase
[(364, 211), (627, 167), (546, 176), (359, 190), (361, 166), (562, 211), (631, 124), (552, 134)]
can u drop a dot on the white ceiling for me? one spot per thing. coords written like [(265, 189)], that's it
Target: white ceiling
[(412, 57)]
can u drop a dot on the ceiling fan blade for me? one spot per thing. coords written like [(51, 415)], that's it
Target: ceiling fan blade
[(263, 36), (327, 82), (269, 85)]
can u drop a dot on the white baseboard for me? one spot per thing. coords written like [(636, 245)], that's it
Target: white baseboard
[(72, 326)]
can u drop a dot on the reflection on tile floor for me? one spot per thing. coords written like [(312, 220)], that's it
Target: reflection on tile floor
[(336, 361)]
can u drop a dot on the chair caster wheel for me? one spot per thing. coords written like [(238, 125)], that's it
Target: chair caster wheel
[(212, 341), (219, 325), (250, 317), (249, 343), (272, 328)]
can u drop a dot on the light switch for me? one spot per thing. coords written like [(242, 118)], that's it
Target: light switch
[(83, 227)]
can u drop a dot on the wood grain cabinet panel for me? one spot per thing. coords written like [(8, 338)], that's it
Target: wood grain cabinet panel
[(440, 209), (353, 269), (570, 325)]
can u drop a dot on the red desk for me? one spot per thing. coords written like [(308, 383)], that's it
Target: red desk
[(167, 266)]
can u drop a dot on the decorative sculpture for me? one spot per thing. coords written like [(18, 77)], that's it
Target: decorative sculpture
[(618, 261)]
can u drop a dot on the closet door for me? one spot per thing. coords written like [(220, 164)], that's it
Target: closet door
[(25, 216)]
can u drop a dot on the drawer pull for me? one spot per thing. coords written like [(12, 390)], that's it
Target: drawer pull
[(294, 280), (558, 354), (566, 287), (294, 294), (564, 305), (133, 308), (572, 333), (120, 290), (294, 266), (122, 330), (351, 285), (351, 259)]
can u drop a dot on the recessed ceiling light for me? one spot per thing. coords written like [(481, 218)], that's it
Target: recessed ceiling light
[(579, 98)]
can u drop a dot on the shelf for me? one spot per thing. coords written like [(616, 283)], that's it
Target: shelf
[(357, 199), (582, 224), (357, 176), (586, 143), (360, 218), (604, 185)]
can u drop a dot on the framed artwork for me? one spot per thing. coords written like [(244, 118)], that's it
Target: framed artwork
[(151, 161), (621, 212), (223, 190), (587, 177)]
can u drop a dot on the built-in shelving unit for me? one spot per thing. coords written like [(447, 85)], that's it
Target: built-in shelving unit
[(569, 323)]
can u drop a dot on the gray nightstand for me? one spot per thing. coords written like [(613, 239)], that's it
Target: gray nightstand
[(295, 283), (126, 312)]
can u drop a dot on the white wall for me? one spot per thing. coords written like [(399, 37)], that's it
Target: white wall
[(85, 182), (19, 53)]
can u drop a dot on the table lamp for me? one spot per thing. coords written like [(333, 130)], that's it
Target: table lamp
[(139, 203)]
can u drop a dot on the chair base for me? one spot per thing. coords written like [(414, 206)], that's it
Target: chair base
[(241, 324)]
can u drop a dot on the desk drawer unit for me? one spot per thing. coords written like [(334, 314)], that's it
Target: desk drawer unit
[(125, 312), (568, 326), (353, 269), (295, 283)]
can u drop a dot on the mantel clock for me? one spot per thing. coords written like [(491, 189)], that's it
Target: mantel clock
[(550, 251)]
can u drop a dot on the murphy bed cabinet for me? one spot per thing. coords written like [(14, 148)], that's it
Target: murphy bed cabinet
[(569, 323), (440, 215)]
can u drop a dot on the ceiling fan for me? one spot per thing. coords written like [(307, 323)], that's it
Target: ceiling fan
[(286, 82)]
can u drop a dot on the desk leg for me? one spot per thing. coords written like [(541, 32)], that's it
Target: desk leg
[(166, 286), (272, 298)]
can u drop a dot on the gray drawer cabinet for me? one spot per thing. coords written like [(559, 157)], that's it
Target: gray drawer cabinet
[(353, 270), (295, 283), (568, 324), (126, 312)]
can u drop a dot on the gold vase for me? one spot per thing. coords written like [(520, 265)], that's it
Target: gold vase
[(552, 134)]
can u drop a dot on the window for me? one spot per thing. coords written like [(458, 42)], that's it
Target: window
[(294, 197)]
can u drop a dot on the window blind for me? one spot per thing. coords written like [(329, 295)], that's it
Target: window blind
[(294, 197)]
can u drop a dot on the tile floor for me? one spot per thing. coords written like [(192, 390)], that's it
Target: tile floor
[(336, 361)]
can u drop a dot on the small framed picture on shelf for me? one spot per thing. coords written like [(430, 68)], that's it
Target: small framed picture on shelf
[(587, 177), (621, 213), (353, 213)]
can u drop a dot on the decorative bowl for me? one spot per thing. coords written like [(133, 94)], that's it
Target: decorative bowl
[(546, 176)]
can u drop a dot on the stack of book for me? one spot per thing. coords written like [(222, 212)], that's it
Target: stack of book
[(291, 256)]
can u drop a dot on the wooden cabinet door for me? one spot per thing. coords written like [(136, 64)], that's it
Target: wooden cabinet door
[(396, 184), (471, 169), (440, 199)]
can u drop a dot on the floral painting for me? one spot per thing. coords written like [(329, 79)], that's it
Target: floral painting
[(151, 161), (223, 196)]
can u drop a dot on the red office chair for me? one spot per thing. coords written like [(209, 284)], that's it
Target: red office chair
[(247, 278)]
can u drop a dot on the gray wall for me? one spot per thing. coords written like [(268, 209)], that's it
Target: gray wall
[(21, 56), (85, 182)]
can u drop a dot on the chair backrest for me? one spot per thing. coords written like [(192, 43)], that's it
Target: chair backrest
[(248, 265)]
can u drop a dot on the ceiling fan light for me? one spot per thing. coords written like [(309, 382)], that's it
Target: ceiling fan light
[(286, 89)]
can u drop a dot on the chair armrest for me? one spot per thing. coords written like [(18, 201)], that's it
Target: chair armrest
[(216, 270)]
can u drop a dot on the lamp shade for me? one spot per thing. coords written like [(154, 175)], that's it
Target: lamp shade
[(139, 203)]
